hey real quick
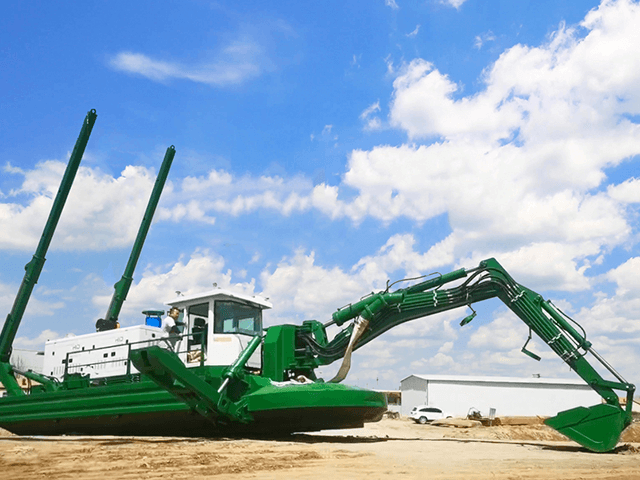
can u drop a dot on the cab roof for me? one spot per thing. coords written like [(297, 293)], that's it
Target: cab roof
[(219, 294)]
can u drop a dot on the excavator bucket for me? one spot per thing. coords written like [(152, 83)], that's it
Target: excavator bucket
[(597, 428)]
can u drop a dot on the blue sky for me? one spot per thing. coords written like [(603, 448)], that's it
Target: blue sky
[(323, 149)]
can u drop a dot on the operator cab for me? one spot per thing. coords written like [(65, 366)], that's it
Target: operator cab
[(217, 326), (213, 328)]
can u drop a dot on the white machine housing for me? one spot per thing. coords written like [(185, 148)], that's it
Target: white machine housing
[(216, 327)]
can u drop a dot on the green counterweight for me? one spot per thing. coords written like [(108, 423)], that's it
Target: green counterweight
[(34, 267), (122, 286)]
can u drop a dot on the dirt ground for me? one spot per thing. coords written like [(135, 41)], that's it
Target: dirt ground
[(389, 449)]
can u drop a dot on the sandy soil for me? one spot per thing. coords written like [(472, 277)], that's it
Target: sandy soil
[(397, 448)]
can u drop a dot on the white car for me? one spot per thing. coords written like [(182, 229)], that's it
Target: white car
[(424, 413)]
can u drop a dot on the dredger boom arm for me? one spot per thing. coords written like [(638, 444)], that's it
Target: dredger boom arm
[(386, 310)]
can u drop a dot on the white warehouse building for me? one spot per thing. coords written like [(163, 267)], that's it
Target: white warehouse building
[(455, 394)]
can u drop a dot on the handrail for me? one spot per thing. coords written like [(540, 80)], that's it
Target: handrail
[(148, 342)]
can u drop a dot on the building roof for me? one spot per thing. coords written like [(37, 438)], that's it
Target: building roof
[(489, 379)]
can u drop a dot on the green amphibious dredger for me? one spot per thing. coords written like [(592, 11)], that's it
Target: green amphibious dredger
[(223, 374)]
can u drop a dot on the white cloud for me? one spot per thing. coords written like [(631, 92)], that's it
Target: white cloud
[(306, 290), (454, 3), (626, 192), (550, 266), (391, 3), (191, 210), (37, 305), (37, 342), (391, 70), (617, 313), (242, 59), (270, 193), (372, 122), (101, 211), (11, 169), (505, 332), (414, 33), (483, 38), (424, 106), (399, 254), (374, 107), (446, 347), (626, 277), (439, 361)]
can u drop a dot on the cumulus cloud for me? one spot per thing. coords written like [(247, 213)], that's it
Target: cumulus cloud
[(219, 191), (399, 253), (506, 334), (36, 342), (625, 192), (616, 313), (305, 290), (101, 211), (424, 106)]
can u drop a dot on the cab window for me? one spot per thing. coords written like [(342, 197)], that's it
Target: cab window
[(233, 317)]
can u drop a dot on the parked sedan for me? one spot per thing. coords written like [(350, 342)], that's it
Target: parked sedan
[(423, 414)]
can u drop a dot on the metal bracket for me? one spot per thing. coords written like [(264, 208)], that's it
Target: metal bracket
[(527, 352)]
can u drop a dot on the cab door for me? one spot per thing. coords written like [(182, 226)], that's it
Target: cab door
[(197, 324), (235, 324)]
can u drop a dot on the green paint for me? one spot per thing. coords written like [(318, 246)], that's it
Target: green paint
[(597, 428), (278, 351)]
